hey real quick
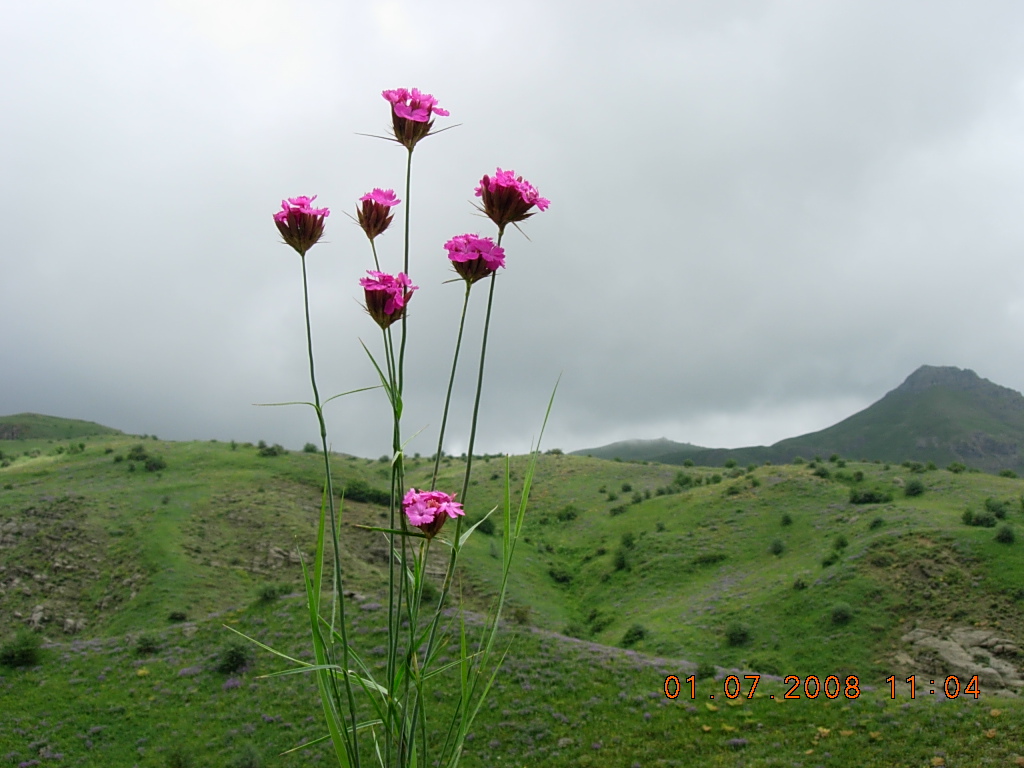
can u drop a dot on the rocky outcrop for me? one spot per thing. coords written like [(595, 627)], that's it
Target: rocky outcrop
[(965, 652)]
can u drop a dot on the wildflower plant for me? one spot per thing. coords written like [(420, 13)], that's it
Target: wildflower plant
[(378, 716)]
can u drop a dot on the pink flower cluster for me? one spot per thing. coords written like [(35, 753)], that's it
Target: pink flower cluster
[(428, 510), (300, 224), (412, 114), (508, 198), (386, 295), (474, 257), (413, 105), (374, 215)]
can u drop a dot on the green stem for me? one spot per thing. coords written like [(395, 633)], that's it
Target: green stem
[(479, 388), (393, 607), (405, 263), (451, 383), (373, 247), (453, 559), (339, 596)]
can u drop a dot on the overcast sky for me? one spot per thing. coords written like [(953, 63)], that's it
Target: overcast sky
[(764, 215)]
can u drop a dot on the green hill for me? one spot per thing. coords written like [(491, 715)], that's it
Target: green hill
[(639, 450), (942, 415), (627, 573), (34, 426)]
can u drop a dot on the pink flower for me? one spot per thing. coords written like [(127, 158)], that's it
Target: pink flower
[(411, 114), (386, 295), (507, 198), (428, 510), (375, 213), (413, 105), (300, 224), (475, 257)]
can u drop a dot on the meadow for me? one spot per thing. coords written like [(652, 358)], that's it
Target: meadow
[(628, 573)]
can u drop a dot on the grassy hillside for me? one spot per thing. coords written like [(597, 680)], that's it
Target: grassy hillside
[(34, 426), (942, 415), (628, 573), (640, 450)]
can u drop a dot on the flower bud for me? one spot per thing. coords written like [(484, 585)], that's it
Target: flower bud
[(299, 223), (386, 296), (507, 198), (474, 257), (375, 213), (411, 113)]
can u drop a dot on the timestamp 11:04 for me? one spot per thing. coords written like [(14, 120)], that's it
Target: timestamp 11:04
[(951, 686)]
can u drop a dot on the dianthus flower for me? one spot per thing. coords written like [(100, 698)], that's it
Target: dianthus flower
[(428, 510), (375, 213), (300, 224), (411, 114), (474, 257), (386, 295), (507, 198)]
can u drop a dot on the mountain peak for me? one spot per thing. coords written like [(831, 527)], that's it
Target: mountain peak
[(928, 376)]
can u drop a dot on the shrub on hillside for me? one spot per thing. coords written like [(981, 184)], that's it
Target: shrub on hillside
[(627, 487), (841, 542), (310, 448), (705, 671), (869, 496), (841, 614), (234, 657), (688, 463), (729, 463), (799, 583), (146, 644), (777, 547), (22, 650), (359, 490), (1005, 535), (978, 519), (737, 634), (177, 616), (486, 526), (997, 507), (567, 513), (767, 664), (271, 450), (633, 635), (137, 453), (268, 593), (628, 540), (1007, 473), (877, 523), (787, 519), (521, 614), (560, 575), (621, 560), (619, 510), (956, 467), (830, 559), (822, 472), (914, 488), (637, 497), (155, 464)]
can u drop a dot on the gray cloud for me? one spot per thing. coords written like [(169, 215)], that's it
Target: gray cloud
[(764, 214)]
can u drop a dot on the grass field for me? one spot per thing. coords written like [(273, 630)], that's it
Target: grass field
[(742, 570)]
